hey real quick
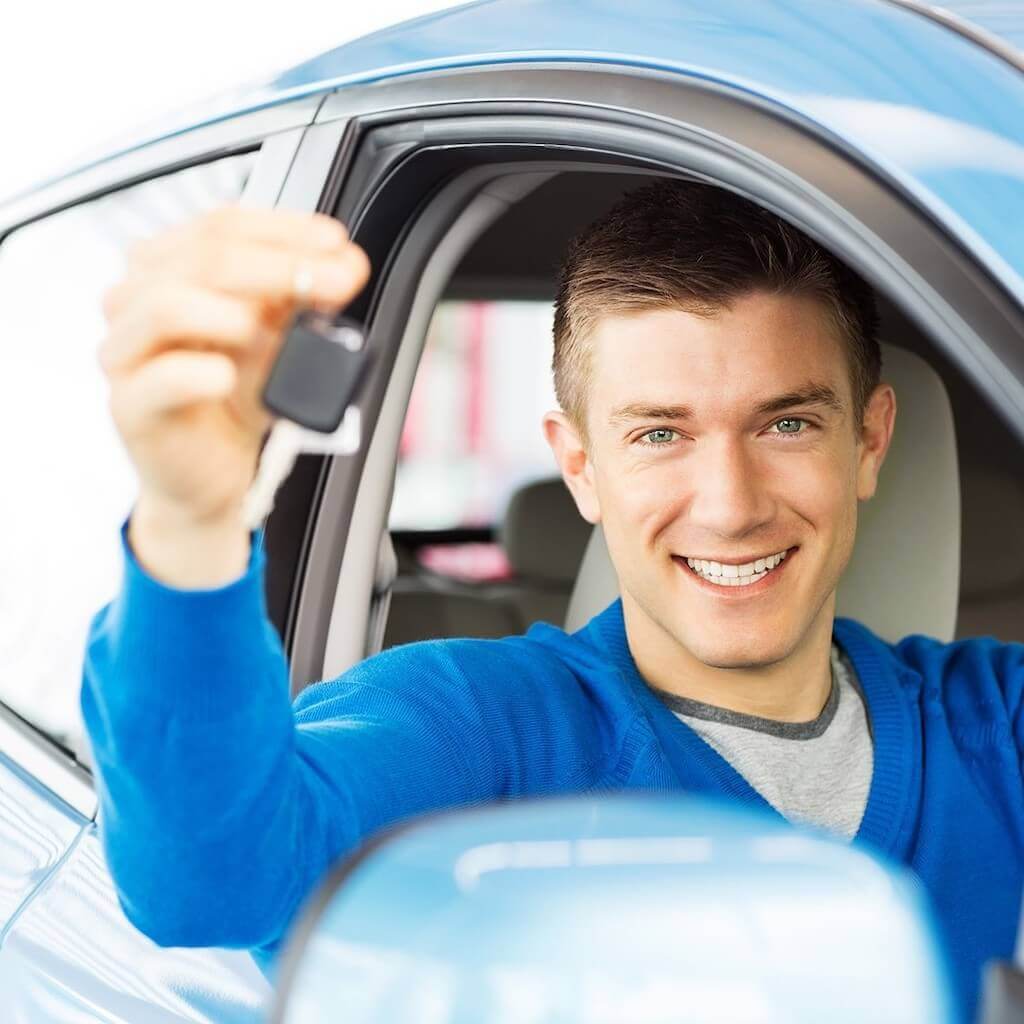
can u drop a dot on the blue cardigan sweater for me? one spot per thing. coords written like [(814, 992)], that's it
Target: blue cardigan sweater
[(222, 806)]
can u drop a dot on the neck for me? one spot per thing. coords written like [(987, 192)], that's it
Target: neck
[(792, 689)]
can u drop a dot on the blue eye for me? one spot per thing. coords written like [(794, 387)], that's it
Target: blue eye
[(790, 425), (658, 437)]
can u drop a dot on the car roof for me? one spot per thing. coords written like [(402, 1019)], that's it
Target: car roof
[(649, 33), (1001, 19), (873, 76)]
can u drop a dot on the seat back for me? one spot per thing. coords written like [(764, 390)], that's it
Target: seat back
[(904, 575), (992, 581), (544, 538)]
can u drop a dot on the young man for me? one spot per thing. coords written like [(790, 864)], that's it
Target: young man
[(722, 417)]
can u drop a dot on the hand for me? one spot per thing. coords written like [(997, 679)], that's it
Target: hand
[(194, 327)]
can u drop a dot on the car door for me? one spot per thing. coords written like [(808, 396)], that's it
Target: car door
[(430, 164), (67, 952), (426, 165)]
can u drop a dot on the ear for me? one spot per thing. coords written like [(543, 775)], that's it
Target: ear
[(574, 462), (875, 435)]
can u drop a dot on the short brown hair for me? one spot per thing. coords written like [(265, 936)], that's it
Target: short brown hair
[(686, 245)]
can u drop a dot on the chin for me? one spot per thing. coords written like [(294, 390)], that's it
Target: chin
[(747, 660), (760, 650)]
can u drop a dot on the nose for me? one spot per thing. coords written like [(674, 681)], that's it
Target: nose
[(730, 494)]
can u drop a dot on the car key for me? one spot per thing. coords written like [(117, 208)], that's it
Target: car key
[(318, 369), (311, 386)]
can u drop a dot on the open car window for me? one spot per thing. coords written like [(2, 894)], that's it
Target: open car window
[(472, 431), (484, 220), (474, 477), (472, 440)]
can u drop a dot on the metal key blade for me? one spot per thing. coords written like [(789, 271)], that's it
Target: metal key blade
[(282, 448)]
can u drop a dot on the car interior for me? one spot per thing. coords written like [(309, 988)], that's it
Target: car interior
[(946, 517)]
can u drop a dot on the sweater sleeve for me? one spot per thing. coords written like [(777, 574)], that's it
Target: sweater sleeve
[(982, 688), (221, 806), (1010, 669)]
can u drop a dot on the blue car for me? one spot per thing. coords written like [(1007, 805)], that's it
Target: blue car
[(463, 150)]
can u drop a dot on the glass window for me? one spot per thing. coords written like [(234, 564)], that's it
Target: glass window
[(472, 434), (67, 483)]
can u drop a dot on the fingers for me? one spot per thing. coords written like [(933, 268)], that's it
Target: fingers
[(169, 382), (292, 229), (267, 274), (176, 314), (202, 307), (276, 227)]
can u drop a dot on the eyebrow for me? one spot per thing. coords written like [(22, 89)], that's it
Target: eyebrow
[(808, 395)]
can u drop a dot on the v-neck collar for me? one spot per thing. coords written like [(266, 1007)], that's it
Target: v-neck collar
[(886, 685)]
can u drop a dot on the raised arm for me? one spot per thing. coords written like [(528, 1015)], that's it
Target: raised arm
[(222, 807), (203, 782)]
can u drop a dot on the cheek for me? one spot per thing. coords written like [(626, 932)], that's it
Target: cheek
[(640, 501), (822, 492), (822, 479)]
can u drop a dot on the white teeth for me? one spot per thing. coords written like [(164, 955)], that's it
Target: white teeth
[(742, 581), (726, 575)]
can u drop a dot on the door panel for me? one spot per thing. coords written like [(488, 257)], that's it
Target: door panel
[(72, 955), (36, 830)]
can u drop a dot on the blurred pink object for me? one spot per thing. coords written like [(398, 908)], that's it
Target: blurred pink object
[(476, 561)]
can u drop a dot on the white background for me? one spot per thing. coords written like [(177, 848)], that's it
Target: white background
[(74, 74)]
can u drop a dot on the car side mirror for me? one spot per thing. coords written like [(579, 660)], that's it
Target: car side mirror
[(646, 908)]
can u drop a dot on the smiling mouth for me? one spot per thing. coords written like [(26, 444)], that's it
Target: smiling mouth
[(725, 574)]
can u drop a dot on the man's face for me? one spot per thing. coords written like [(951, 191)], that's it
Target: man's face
[(728, 440)]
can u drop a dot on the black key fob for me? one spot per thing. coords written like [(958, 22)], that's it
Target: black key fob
[(318, 371)]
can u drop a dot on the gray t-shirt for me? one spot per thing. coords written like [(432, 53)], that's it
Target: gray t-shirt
[(817, 772)]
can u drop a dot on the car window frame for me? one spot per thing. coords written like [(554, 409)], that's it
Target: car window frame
[(633, 119), (23, 744)]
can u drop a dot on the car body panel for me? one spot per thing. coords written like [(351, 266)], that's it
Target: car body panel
[(72, 955), (1002, 19), (955, 144), (36, 831), (63, 781)]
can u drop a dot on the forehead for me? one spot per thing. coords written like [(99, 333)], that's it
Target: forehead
[(760, 346)]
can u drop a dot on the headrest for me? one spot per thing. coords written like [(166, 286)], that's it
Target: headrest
[(904, 576), (543, 534)]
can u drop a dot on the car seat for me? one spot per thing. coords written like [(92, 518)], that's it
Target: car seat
[(992, 587), (543, 537)]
